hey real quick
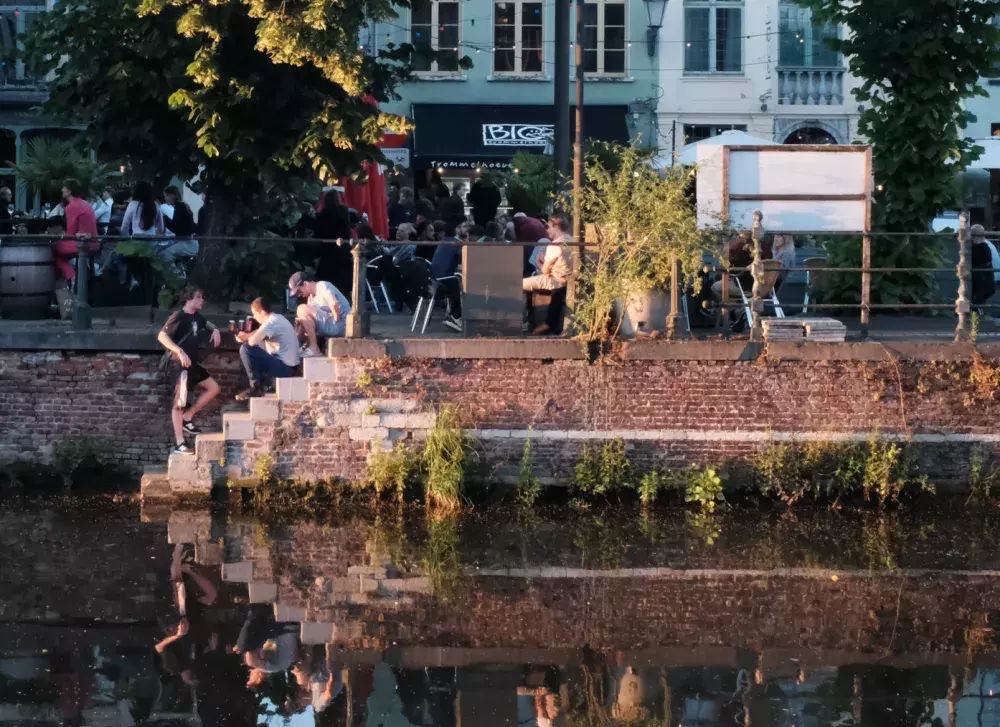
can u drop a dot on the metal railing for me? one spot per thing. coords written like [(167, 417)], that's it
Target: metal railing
[(361, 250)]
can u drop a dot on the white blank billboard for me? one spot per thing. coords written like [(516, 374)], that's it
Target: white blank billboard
[(796, 188)]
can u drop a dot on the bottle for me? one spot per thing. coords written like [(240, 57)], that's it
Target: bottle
[(232, 326)]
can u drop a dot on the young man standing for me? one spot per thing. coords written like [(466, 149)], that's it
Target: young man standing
[(324, 312), (180, 337), (271, 350)]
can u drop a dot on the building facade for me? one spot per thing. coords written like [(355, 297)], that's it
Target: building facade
[(478, 118), (760, 66)]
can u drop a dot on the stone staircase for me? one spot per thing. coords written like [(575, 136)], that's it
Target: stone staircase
[(194, 474), (223, 455)]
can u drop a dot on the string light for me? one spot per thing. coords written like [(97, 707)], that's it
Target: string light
[(440, 170)]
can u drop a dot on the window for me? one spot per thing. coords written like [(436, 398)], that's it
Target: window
[(713, 36), (517, 37), (699, 132), (434, 27), (604, 37), (802, 43), (15, 23)]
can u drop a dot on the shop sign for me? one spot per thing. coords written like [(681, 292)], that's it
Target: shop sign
[(518, 134)]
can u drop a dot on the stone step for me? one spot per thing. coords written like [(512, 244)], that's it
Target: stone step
[(155, 485), (238, 426), (263, 592), (293, 389), (284, 613), (189, 526), (319, 369), (241, 572), (315, 632), (185, 470), (210, 446), (265, 409)]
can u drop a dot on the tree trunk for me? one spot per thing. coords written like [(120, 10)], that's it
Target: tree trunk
[(213, 247)]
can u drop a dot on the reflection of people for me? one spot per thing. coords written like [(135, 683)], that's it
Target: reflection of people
[(316, 679), (539, 705)]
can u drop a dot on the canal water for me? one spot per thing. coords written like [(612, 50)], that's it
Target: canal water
[(110, 615)]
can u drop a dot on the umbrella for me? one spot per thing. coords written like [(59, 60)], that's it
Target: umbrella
[(689, 154)]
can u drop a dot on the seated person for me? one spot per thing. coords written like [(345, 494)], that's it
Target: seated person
[(981, 259), (741, 256), (444, 264), (179, 221), (324, 312), (272, 350), (556, 262)]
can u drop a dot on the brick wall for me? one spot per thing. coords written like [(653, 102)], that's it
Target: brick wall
[(49, 396), (675, 411)]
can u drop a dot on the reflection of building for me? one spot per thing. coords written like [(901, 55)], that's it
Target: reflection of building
[(760, 66)]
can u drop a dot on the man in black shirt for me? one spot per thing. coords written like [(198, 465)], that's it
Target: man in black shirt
[(180, 336)]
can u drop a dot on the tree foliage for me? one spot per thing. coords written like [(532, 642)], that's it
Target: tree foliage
[(918, 63), (259, 95), (48, 161)]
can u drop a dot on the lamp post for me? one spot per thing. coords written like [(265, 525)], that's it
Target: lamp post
[(655, 10)]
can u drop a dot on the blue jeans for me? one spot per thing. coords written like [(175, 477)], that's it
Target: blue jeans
[(259, 362)]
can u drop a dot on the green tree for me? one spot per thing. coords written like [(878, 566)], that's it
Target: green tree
[(918, 63), (267, 99)]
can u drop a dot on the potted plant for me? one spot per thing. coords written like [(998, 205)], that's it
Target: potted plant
[(642, 221)]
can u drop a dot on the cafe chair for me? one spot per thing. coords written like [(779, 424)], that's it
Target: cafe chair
[(814, 280), (373, 268), (772, 268), (429, 295)]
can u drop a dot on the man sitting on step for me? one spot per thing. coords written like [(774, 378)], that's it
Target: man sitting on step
[(323, 314), (272, 350)]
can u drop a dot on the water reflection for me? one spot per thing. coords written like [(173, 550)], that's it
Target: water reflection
[(588, 619)]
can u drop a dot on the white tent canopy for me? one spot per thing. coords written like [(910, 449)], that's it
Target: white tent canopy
[(990, 158), (689, 154)]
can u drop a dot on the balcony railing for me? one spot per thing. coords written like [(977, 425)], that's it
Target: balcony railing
[(811, 86)]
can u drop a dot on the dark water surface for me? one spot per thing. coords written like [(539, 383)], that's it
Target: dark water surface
[(112, 616)]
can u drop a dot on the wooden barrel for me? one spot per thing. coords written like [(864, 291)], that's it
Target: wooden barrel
[(27, 280)]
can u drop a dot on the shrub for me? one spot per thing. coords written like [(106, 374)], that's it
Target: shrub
[(71, 457), (390, 471), (528, 487), (441, 561), (703, 487), (601, 474), (445, 458)]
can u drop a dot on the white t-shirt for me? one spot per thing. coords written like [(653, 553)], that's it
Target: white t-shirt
[(281, 339), (559, 254), (325, 296)]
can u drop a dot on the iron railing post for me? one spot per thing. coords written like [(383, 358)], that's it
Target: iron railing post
[(675, 321), (866, 284), (963, 307), (358, 320), (82, 318), (757, 270)]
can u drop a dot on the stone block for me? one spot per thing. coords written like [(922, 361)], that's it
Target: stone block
[(241, 572), (347, 420), (393, 421), (288, 614), (293, 389), (314, 632), (349, 631), (155, 486), (343, 585), (368, 434), (420, 421), (319, 369), (265, 409), (186, 526), (238, 426), (208, 554), (210, 447), (370, 571), (371, 420), (359, 599), (407, 585), (184, 470), (368, 585), (385, 406), (263, 592)]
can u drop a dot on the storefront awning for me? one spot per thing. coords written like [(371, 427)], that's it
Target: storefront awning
[(459, 135)]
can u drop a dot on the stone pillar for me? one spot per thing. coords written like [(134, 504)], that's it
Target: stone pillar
[(358, 320), (675, 320), (963, 305)]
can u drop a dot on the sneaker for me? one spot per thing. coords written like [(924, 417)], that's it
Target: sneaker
[(454, 324), (182, 448), (249, 393), (192, 428), (309, 352)]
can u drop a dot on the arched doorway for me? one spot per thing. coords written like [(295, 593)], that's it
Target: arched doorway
[(810, 135)]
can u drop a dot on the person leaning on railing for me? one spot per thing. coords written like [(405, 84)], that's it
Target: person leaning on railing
[(983, 281)]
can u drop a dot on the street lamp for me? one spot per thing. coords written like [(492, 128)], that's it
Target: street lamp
[(653, 31)]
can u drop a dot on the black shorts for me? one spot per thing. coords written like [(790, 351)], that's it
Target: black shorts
[(196, 374)]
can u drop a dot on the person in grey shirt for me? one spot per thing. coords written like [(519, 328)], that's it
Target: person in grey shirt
[(271, 350)]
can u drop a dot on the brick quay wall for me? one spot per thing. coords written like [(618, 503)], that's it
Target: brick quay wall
[(671, 403)]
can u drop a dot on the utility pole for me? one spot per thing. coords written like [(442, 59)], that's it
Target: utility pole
[(578, 143), (561, 94)]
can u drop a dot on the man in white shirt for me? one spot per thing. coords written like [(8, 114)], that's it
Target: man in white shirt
[(103, 208), (557, 262), (324, 312), (272, 350)]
